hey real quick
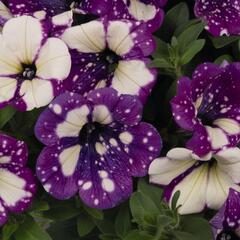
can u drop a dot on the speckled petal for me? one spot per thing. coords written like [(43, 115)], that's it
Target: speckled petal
[(62, 119), (18, 186), (221, 16), (12, 151)]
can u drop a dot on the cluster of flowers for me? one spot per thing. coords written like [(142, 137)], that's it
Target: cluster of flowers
[(94, 77)]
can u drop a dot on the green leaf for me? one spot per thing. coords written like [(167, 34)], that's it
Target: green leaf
[(194, 48), (95, 213), (184, 26), (84, 225), (161, 50), (223, 41), (175, 17), (197, 226), (175, 199), (30, 230), (153, 192), (8, 230), (222, 58), (142, 207), (184, 236), (137, 235), (105, 226), (61, 211), (189, 35), (5, 115), (123, 221), (161, 63)]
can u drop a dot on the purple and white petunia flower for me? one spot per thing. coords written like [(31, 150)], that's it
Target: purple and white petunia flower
[(94, 146), (112, 54), (201, 182), (221, 16), (49, 12), (226, 223), (32, 65), (146, 11), (209, 107), (17, 182)]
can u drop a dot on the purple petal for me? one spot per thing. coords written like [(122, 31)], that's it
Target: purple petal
[(56, 114), (18, 188), (142, 143), (182, 105), (12, 151), (3, 215), (56, 171), (222, 17)]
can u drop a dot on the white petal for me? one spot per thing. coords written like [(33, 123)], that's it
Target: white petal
[(119, 38), (36, 93), (142, 11), (217, 137), (23, 36), (75, 120), (12, 188), (102, 114), (193, 191), (228, 125), (229, 162), (68, 160), (218, 187), (180, 154), (86, 38), (9, 63), (163, 170), (63, 19), (131, 76), (8, 87), (54, 61)]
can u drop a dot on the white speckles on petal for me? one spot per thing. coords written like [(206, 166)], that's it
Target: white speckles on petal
[(108, 185), (126, 137)]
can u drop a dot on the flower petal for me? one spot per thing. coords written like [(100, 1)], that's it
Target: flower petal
[(53, 61), (12, 151), (86, 38), (218, 187), (18, 186), (133, 77), (63, 118), (8, 88), (18, 34), (36, 93), (163, 170), (57, 170)]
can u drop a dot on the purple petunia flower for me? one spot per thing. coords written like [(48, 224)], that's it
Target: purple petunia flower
[(226, 223), (94, 145), (147, 11), (221, 16), (17, 183), (32, 66), (111, 53), (202, 182), (209, 107)]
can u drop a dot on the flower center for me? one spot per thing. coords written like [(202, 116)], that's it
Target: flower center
[(205, 119), (29, 71), (112, 59), (90, 133), (227, 235)]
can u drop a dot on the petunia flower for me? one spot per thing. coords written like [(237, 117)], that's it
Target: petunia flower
[(51, 13), (111, 53), (201, 182), (32, 66), (147, 11), (17, 183), (209, 107), (226, 223), (94, 146), (221, 16)]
